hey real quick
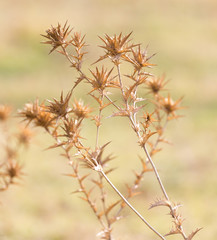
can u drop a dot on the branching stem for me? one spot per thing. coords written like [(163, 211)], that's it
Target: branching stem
[(130, 206), (133, 122)]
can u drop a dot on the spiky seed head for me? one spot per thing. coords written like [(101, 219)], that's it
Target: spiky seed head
[(30, 111), (72, 130), (57, 36), (12, 170), (116, 47), (80, 110), (156, 84), (101, 79), (5, 112), (148, 119), (24, 136), (139, 59), (44, 119), (169, 106), (60, 108)]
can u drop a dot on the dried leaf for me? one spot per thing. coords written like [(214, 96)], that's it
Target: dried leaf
[(172, 232), (97, 99), (193, 233), (84, 177), (145, 138), (56, 145), (80, 79), (90, 191), (99, 184), (112, 206), (77, 191), (70, 175), (144, 165), (121, 113), (83, 198), (160, 202), (109, 171), (106, 105), (107, 159)]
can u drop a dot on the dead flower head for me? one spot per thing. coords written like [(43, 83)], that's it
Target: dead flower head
[(140, 59), (44, 119), (102, 79), (72, 131), (156, 84), (80, 110), (38, 114), (148, 119), (24, 136), (4, 112), (30, 111), (12, 170), (59, 108), (57, 36), (116, 47), (170, 107)]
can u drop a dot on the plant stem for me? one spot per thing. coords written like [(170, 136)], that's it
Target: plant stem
[(120, 80), (130, 206), (133, 122), (99, 123), (156, 172)]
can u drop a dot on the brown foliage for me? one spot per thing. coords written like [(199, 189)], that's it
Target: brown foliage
[(64, 120)]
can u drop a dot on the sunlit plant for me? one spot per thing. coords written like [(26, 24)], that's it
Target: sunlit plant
[(148, 111)]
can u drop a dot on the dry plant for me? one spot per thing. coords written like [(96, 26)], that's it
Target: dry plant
[(63, 119), (11, 145)]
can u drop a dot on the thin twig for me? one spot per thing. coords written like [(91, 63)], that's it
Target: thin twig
[(156, 173), (130, 206)]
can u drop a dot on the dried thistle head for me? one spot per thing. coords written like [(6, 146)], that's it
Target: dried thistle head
[(30, 111), (72, 130), (44, 119), (156, 84), (13, 170), (148, 119), (24, 136), (116, 47), (102, 79), (57, 36), (60, 108), (78, 40), (33, 112), (80, 110), (5, 112), (170, 107), (140, 59)]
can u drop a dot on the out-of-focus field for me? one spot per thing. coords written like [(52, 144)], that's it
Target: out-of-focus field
[(184, 35)]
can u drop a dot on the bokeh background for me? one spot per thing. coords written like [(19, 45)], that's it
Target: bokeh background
[(184, 36)]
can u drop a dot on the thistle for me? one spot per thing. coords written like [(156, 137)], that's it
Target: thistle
[(11, 145), (109, 89)]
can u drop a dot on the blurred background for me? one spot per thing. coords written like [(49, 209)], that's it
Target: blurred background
[(184, 36)]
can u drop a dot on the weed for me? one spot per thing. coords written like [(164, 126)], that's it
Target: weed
[(148, 116)]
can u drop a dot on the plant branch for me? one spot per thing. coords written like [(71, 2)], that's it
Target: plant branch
[(130, 206), (156, 172)]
